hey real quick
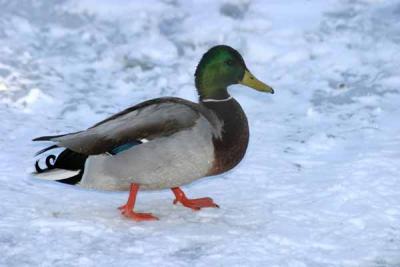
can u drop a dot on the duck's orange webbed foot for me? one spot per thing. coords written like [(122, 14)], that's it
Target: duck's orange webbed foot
[(127, 209), (136, 216), (194, 204)]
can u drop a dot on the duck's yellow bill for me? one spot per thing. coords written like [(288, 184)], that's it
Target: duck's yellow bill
[(251, 81)]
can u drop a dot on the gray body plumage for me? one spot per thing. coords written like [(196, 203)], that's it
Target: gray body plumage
[(161, 163), (179, 147)]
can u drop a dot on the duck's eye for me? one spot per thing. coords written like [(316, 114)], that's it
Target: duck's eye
[(229, 62)]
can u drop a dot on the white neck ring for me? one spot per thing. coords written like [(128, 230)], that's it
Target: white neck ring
[(216, 100)]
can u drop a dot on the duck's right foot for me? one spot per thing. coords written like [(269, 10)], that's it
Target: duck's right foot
[(194, 204)]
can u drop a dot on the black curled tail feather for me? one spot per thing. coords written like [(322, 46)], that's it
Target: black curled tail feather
[(66, 160), (50, 161)]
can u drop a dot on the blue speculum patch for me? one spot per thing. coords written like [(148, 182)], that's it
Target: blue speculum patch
[(124, 147)]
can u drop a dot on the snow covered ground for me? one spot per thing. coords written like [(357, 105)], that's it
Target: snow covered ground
[(319, 186)]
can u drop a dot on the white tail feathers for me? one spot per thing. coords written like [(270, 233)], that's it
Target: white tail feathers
[(56, 174)]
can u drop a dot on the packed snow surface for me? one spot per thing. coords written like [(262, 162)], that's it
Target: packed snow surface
[(320, 183)]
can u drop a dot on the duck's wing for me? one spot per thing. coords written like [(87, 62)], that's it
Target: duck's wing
[(151, 119)]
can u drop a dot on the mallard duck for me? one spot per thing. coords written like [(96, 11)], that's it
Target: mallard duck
[(164, 142)]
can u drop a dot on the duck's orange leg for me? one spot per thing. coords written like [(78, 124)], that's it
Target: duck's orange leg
[(194, 204), (127, 209)]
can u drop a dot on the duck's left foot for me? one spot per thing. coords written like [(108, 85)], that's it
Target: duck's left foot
[(127, 209), (194, 204), (136, 216)]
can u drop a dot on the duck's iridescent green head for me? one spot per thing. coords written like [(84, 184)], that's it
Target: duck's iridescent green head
[(220, 67)]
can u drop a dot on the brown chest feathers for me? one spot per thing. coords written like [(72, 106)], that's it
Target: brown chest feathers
[(231, 147)]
